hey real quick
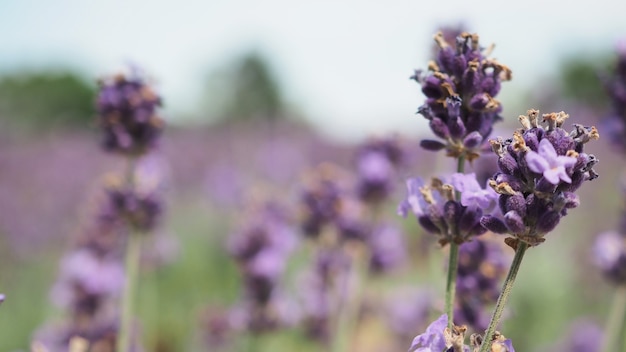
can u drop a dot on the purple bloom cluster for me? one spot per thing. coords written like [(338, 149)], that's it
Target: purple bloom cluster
[(377, 164), (127, 107), (460, 88), (438, 212), (609, 254), (139, 210), (320, 200), (262, 249), (540, 169), (482, 266)]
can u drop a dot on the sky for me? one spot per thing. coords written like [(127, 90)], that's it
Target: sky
[(344, 64)]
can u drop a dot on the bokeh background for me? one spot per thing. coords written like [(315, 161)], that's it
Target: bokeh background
[(255, 94)]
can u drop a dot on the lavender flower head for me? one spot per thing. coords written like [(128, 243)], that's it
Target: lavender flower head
[(127, 106), (609, 254), (141, 210), (460, 89), (438, 212), (262, 248), (540, 169), (377, 164)]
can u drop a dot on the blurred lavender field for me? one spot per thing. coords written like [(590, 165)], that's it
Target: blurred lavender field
[(271, 236)]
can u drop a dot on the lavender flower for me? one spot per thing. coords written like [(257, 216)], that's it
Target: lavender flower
[(320, 200), (438, 212), (460, 88), (387, 246), (127, 107), (540, 169), (262, 249), (609, 254), (378, 162), (140, 210)]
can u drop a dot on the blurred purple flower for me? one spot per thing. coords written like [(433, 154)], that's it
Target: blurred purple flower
[(127, 111), (86, 282), (387, 245), (609, 254)]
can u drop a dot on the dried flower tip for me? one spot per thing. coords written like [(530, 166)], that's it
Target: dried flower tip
[(519, 144), (440, 40), (455, 337), (533, 116), (427, 194), (524, 121), (432, 66), (554, 119), (502, 188)]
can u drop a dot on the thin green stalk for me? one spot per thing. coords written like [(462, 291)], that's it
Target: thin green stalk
[(349, 306), (614, 328), (131, 263), (504, 295), (453, 260), (133, 251)]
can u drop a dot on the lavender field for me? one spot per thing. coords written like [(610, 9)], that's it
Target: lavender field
[(495, 224)]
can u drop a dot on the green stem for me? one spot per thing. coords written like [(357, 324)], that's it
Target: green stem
[(453, 260), (131, 263), (451, 282), (348, 310), (133, 251), (615, 323), (504, 295)]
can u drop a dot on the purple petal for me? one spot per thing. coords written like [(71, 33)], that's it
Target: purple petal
[(536, 162), (432, 339)]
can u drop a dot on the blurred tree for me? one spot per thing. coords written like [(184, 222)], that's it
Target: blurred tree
[(246, 89), (44, 99), (580, 79)]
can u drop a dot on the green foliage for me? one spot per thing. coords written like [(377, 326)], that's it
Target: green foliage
[(246, 89), (579, 78), (47, 98)]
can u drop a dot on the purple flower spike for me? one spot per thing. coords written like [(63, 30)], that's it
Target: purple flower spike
[(540, 169), (549, 163), (432, 340), (460, 88)]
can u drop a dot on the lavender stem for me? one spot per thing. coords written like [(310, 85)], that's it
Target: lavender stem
[(349, 310), (504, 295), (131, 263), (453, 260), (615, 323)]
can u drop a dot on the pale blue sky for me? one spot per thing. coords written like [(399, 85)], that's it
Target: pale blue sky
[(345, 63)]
